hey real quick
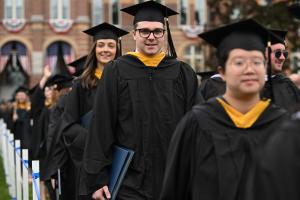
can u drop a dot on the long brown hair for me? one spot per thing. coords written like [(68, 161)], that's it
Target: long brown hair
[(89, 80)]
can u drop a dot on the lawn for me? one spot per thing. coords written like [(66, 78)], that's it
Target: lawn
[(3, 187)]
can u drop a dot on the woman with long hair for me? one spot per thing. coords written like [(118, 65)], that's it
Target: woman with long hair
[(106, 47)]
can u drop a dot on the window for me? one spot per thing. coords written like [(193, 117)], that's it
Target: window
[(200, 12), (193, 55), (141, 1), (183, 12), (60, 9), (114, 12), (97, 12), (14, 9), (51, 56)]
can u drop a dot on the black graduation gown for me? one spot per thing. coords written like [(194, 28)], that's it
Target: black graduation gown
[(286, 93), (37, 105), (212, 87), (79, 102), (21, 128), (209, 156), (277, 172), (57, 157), (137, 107)]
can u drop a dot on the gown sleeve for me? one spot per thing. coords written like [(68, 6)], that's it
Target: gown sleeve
[(179, 165), (98, 147)]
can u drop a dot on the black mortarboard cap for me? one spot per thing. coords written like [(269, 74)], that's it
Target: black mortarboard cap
[(105, 31), (246, 34), (149, 11), (62, 81), (206, 75), (279, 33), (22, 89), (60, 67), (294, 9), (154, 12), (79, 65)]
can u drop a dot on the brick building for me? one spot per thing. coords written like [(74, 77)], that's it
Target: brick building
[(34, 27)]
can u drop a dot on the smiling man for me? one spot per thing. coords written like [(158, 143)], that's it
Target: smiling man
[(140, 100), (283, 91)]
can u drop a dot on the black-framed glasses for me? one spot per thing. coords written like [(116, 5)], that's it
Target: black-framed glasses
[(278, 53), (145, 33)]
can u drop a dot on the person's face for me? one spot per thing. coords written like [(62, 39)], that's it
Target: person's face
[(105, 50), (48, 92), (277, 62), (21, 97), (149, 43), (244, 72)]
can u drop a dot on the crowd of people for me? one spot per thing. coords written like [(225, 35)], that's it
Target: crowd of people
[(231, 136)]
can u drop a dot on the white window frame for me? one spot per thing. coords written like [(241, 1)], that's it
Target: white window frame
[(111, 12), (193, 57), (14, 9), (188, 21), (59, 9), (202, 6), (162, 1), (97, 6)]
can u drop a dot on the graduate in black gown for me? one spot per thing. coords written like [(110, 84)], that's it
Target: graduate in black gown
[(212, 146), (142, 96), (213, 86), (106, 47), (283, 91), (21, 116), (41, 99), (276, 174)]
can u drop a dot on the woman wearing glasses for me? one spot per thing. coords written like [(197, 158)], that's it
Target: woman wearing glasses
[(212, 146), (281, 89)]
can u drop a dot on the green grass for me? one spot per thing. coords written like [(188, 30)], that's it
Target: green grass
[(3, 186)]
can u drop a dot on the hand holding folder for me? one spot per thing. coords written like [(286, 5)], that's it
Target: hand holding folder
[(120, 162)]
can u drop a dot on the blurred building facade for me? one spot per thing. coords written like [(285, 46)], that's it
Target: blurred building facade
[(33, 29)]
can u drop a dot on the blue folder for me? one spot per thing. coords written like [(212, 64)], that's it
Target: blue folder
[(120, 163), (85, 120)]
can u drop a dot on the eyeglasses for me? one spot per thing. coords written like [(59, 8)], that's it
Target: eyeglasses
[(242, 62), (278, 53), (145, 33)]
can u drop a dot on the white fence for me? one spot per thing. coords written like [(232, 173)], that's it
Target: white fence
[(16, 168)]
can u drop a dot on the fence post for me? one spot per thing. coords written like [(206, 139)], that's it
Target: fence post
[(36, 180), (18, 160), (11, 163), (25, 174), (5, 156)]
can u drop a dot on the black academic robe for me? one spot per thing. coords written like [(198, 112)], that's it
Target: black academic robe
[(286, 93), (137, 107), (57, 157), (212, 87), (209, 156), (276, 175), (21, 128), (80, 101), (37, 114)]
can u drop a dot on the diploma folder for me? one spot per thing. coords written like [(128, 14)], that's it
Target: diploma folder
[(120, 161)]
